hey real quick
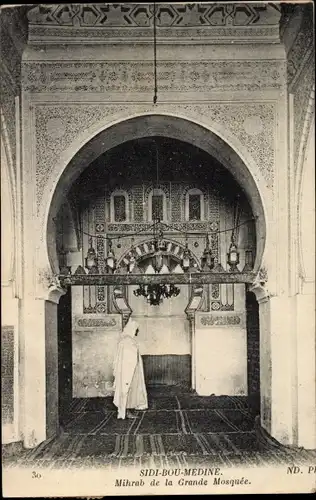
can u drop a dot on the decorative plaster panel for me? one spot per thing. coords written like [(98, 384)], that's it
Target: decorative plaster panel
[(8, 109), (75, 119), (301, 99), (10, 61), (147, 227), (301, 48), (56, 128), (7, 373), (107, 322), (213, 34), (10, 77), (173, 76), (100, 215), (211, 320), (122, 23), (142, 15)]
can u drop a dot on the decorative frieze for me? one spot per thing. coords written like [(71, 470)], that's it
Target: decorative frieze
[(147, 227), (173, 76), (142, 15), (215, 35), (121, 23)]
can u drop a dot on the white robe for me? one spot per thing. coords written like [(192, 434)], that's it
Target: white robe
[(129, 381)]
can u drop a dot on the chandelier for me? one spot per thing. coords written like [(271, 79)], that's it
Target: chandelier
[(154, 294)]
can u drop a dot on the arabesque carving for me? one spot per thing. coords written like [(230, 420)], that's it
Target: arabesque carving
[(302, 47), (225, 320), (301, 102), (49, 282), (106, 322), (48, 279), (131, 76), (77, 118)]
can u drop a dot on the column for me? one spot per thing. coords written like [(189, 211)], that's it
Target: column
[(282, 362), (33, 373), (277, 361), (39, 368), (265, 363)]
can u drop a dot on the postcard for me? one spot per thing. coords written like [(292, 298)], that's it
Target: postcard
[(158, 249)]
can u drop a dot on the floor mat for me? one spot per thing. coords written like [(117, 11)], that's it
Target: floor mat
[(178, 430), (240, 419), (193, 402), (163, 403), (160, 422), (205, 421)]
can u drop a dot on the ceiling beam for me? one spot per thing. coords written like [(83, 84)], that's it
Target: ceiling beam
[(146, 279)]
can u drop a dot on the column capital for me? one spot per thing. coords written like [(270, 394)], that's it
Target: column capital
[(195, 302), (49, 287), (121, 304), (259, 286)]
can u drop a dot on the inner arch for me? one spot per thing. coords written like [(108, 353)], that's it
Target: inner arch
[(174, 128)]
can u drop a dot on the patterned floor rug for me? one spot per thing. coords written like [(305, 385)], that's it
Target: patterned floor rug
[(177, 430)]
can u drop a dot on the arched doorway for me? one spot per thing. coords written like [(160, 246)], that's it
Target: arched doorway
[(86, 147), (136, 211), (79, 157)]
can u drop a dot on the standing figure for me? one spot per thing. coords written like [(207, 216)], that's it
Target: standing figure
[(129, 381)]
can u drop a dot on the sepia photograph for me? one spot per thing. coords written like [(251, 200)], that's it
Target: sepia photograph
[(158, 248)]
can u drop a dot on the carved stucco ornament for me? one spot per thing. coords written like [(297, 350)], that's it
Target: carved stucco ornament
[(121, 304), (259, 286), (133, 15), (235, 117), (49, 285), (262, 276), (195, 302)]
